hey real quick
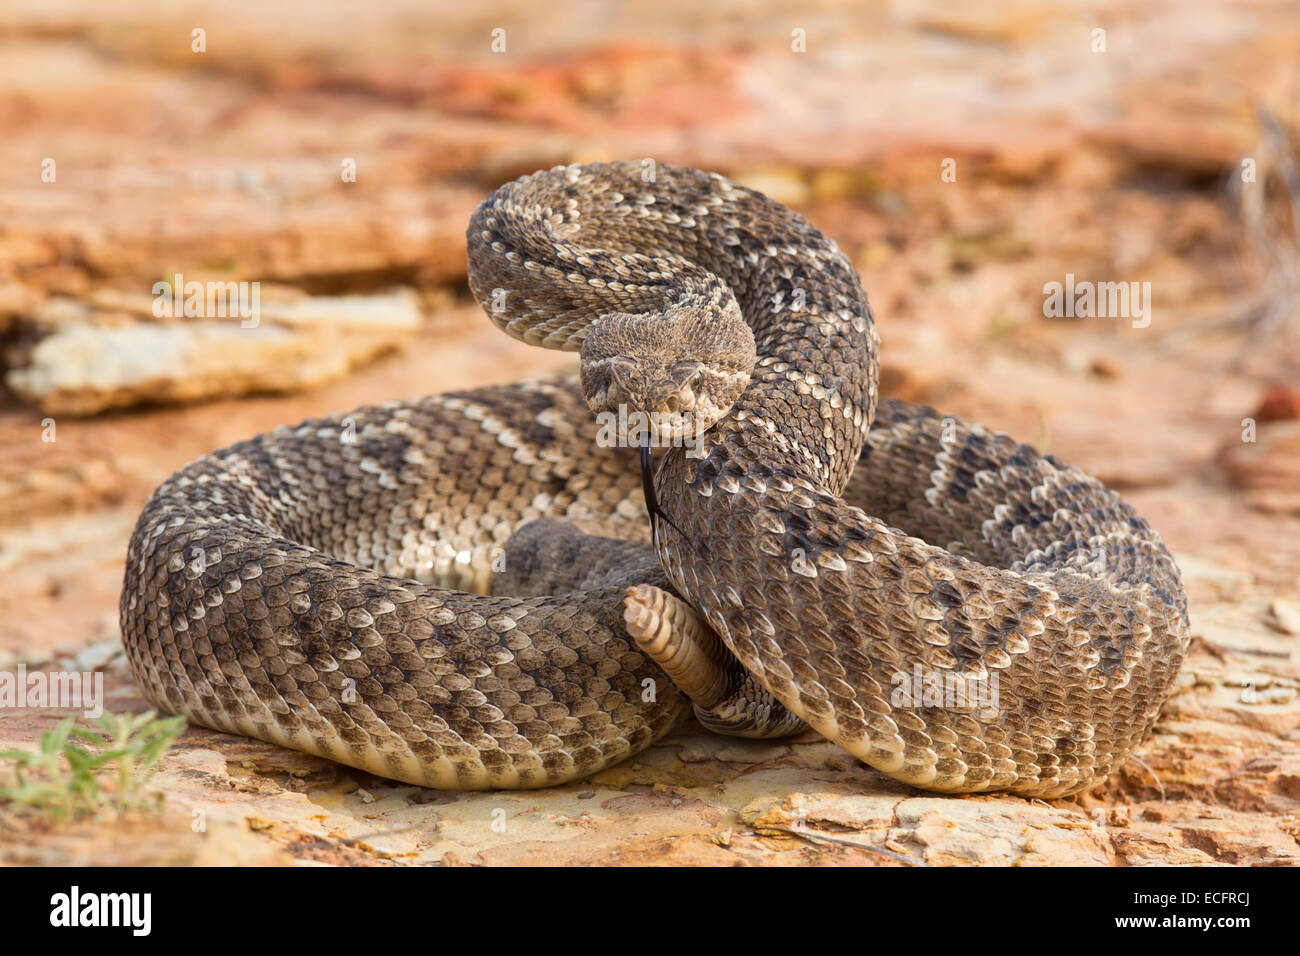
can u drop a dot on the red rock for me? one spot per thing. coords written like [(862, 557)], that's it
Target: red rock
[(1280, 403)]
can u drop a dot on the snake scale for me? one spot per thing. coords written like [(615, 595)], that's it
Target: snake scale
[(375, 587)]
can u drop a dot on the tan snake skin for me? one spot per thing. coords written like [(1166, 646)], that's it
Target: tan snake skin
[(310, 590)]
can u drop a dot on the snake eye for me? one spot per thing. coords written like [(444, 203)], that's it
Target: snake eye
[(683, 373), (621, 368)]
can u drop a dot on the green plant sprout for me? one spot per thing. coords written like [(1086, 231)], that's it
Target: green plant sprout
[(62, 776)]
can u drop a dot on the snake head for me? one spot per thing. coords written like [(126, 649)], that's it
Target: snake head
[(672, 373)]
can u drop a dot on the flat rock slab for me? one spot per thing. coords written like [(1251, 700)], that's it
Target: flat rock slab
[(108, 354)]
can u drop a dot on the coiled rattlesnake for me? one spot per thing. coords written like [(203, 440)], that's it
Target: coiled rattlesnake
[(313, 591)]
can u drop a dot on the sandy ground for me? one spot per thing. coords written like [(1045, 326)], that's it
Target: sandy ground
[(1115, 165)]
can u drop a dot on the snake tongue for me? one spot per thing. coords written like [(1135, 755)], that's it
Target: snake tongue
[(648, 488)]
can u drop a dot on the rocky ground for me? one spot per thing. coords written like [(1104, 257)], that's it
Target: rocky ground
[(1123, 164)]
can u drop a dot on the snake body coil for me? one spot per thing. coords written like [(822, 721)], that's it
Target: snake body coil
[(314, 591)]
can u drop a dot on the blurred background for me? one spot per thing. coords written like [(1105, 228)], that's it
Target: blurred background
[(965, 157)]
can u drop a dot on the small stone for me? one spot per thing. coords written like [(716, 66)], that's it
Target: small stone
[(391, 845), (1280, 403), (1284, 616), (1105, 367), (97, 656)]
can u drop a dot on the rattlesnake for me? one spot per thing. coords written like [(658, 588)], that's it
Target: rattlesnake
[(324, 586)]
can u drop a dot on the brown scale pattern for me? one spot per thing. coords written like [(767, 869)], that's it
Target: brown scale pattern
[(312, 591), (1029, 571), (1033, 573), (294, 588)]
